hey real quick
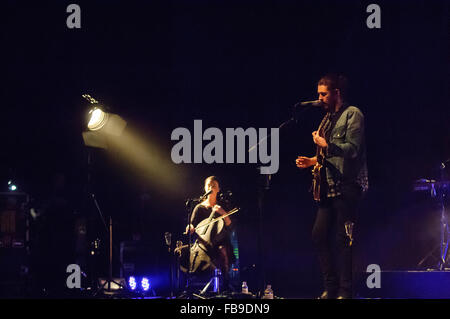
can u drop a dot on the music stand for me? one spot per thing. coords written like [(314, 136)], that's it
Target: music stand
[(109, 231), (110, 279)]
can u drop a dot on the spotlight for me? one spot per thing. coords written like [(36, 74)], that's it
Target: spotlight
[(100, 124), (97, 118)]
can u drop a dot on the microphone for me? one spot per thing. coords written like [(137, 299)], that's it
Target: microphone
[(315, 103), (206, 194)]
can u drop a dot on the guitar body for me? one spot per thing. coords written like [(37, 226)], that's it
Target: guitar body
[(317, 169)]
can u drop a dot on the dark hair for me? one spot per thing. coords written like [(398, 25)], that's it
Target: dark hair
[(335, 81)]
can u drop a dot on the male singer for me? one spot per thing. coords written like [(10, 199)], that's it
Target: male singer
[(340, 178)]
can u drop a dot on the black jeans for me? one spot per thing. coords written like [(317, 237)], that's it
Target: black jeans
[(332, 243)]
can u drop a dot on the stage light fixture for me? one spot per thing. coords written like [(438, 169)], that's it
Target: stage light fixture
[(11, 186), (101, 121), (97, 119), (145, 284), (132, 283), (101, 124), (140, 284)]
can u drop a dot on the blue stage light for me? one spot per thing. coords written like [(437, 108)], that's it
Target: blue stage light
[(132, 283), (145, 284)]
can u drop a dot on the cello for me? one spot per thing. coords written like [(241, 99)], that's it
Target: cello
[(210, 231)]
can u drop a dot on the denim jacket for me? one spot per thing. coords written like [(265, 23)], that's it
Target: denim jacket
[(345, 156)]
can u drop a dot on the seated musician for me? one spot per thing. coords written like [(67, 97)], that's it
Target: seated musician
[(220, 252)]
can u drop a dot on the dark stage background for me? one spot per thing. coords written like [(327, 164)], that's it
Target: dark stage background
[(162, 64)]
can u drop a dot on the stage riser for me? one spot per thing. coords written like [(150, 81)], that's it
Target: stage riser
[(407, 285)]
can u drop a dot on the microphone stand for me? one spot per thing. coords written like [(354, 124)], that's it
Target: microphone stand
[(295, 118), (264, 185), (168, 239), (190, 207)]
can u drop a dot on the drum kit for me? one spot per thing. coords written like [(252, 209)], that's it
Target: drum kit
[(438, 190)]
